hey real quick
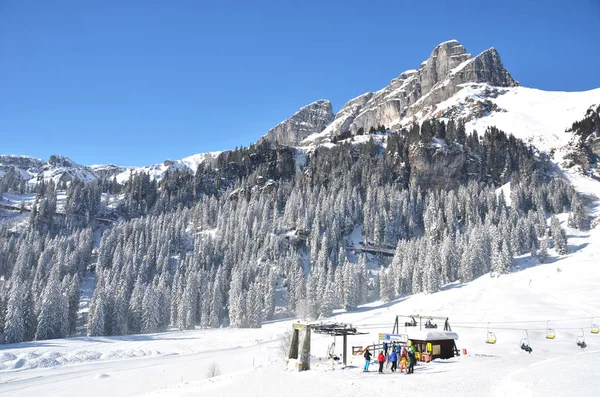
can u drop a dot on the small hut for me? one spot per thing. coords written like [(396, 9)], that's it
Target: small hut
[(431, 344)]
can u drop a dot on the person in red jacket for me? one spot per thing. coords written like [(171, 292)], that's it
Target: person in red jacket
[(381, 359)]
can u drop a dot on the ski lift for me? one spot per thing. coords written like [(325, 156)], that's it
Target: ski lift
[(331, 351), (594, 327), (550, 334), (429, 324), (525, 343), (491, 337), (412, 323), (581, 340)]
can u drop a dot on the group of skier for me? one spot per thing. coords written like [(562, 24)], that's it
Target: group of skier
[(392, 353)]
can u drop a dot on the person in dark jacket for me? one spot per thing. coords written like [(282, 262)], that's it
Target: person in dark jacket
[(381, 359), (385, 349), (394, 360), (367, 357), (412, 359)]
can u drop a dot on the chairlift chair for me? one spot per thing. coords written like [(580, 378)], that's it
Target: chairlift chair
[(491, 337), (429, 324), (550, 334), (524, 345), (412, 323), (581, 340), (331, 351), (594, 327)]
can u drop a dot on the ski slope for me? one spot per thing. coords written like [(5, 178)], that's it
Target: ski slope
[(566, 291)]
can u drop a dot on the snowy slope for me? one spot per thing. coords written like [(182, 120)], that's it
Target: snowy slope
[(564, 291), (535, 116), (157, 171)]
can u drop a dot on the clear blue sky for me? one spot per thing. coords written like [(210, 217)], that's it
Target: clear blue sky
[(137, 82)]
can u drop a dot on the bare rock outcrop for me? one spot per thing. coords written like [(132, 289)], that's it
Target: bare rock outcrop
[(310, 119), (436, 166), (440, 77)]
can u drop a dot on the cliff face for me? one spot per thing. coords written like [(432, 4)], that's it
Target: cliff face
[(583, 150), (436, 166), (310, 119), (440, 77)]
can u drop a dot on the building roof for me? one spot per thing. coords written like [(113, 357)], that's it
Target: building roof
[(432, 335)]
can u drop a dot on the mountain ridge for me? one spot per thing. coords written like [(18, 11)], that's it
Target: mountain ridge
[(451, 83)]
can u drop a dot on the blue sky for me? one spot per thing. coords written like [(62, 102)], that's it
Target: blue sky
[(138, 82)]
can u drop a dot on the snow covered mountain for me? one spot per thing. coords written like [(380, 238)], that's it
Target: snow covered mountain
[(57, 168), (62, 169), (477, 90), (157, 171)]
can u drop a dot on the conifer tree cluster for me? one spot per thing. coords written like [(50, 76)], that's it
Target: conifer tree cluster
[(258, 236)]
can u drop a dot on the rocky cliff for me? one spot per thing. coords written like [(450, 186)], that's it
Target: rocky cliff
[(583, 150), (436, 166), (310, 119), (437, 79)]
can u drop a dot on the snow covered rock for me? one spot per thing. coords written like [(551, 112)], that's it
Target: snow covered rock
[(439, 78), (583, 150), (310, 119), (58, 169), (436, 166)]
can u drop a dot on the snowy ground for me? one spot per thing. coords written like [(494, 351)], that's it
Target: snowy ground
[(176, 363)]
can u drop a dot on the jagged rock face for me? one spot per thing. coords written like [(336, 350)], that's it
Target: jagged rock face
[(434, 167), (107, 171), (310, 119), (61, 161), (22, 162), (437, 79)]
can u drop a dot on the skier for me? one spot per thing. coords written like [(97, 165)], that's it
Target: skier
[(411, 361), (394, 360), (381, 359), (367, 357), (385, 349), (526, 348)]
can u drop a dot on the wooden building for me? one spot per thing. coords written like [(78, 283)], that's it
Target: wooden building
[(432, 344)]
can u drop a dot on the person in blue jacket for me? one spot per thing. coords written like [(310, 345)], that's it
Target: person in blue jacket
[(394, 360)]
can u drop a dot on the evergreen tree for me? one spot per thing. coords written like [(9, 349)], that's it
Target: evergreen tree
[(543, 251), (96, 319), (15, 326)]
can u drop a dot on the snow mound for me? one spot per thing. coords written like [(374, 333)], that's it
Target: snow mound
[(52, 359)]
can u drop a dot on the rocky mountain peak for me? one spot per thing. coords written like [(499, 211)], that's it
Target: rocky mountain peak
[(437, 79), (443, 59), (310, 119)]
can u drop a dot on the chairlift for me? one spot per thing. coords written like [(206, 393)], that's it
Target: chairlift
[(594, 327), (491, 337), (429, 324), (525, 343), (412, 323), (550, 334), (581, 340), (331, 351)]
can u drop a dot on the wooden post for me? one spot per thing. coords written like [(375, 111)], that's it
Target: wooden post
[(345, 345)]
